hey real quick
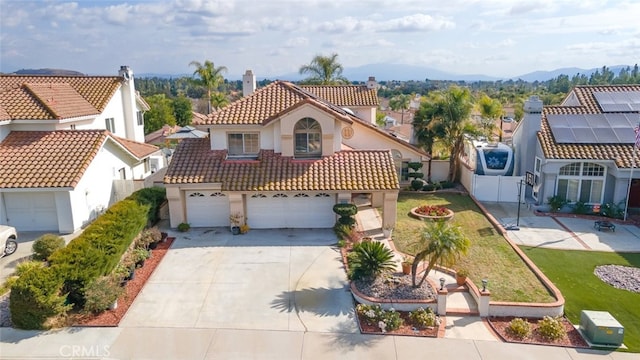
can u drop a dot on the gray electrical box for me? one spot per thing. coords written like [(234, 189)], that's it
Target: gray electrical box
[(601, 328)]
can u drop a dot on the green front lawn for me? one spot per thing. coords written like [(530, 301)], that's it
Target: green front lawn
[(572, 273), (490, 256)]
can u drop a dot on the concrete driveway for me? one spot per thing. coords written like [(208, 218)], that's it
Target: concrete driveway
[(285, 280)]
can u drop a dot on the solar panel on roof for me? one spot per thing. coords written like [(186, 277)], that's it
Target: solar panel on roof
[(593, 128), (618, 101)]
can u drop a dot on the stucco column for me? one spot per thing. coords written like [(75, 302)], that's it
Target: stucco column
[(175, 197), (389, 209), (483, 303), (442, 301), (236, 206)]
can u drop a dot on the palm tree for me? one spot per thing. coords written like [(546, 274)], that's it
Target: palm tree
[(209, 77), (324, 70), (444, 244), (490, 110), (400, 102), (424, 131), (219, 100), (450, 111)]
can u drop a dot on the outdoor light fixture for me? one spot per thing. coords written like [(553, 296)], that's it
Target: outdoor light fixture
[(441, 283), (484, 285)]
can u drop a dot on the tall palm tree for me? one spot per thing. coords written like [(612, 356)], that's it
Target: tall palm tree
[(400, 102), (424, 131), (444, 244), (450, 113), (209, 76), (324, 70), (490, 110)]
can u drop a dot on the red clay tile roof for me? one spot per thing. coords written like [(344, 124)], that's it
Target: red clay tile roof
[(194, 162), (345, 95), (268, 103), (33, 159), (27, 97), (139, 150), (622, 154)]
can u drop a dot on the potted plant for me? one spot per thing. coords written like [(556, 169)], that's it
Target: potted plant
[(461, 276), (407, 262), (244, 228), (236, 221), (184, 227), (102, 294), (139, 256)]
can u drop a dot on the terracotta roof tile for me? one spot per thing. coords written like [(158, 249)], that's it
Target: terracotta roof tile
[(139, 150), (622, 154), (345, 95), (26, 97), (266, 104), (30, 159), (194, 162)]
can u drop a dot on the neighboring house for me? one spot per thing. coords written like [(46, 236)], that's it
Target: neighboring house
[(70, 146), (283, 155), (583, 149)]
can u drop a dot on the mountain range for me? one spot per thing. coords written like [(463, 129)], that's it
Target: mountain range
[(382, 72)]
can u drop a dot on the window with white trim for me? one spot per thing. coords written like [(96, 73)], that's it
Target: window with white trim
[(582, 182), (308, 138), (243, 145), (536, 178), (110, 124), (140, 117)]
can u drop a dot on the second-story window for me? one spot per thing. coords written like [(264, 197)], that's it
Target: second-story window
[(308, 138), (243, 145), (110, 124), (140, 118)]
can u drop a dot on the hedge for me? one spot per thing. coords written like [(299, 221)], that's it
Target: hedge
[(94, 253)]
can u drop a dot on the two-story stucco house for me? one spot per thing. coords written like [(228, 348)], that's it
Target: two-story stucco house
[(582, 150), (283, 155), (70, 146)]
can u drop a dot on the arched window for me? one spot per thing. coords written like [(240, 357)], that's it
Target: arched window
[(582, 182), (308, 138)]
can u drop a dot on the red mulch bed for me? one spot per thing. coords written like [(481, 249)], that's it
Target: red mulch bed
[(405, 329), (132, 288), (573, 338)]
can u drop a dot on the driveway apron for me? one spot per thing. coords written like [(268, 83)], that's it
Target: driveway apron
[(286, 280)]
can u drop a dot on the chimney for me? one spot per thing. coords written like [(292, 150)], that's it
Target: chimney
[(372, 83), (132, 129), (533, 105), (125, 72), (248, 83)]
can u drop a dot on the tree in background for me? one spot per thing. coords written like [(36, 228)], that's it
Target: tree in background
[(450, 111), (324, 70), (490, 110), (161, 112), (400, 102), (209, 76), (424, 131), (219, 100), (182, 110)]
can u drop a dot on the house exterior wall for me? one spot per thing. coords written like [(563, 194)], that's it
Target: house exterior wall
[(4, 129), (289, 120), (366, 113), (367, 138)]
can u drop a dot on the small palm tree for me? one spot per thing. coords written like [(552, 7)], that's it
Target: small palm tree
[(444, 244), (490, 110), (209, 75), (400, 102), (370, 259), (219, 100), (324, 70)]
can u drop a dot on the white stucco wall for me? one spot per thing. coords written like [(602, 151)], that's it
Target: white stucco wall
[(4, 129), (365, 137)]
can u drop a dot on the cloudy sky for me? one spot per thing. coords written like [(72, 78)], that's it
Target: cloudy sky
[(502, 38)]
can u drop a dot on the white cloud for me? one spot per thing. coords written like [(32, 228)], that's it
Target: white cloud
[(296, 42)]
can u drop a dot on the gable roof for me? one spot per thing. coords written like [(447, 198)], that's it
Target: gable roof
[(194, 162), (36, 97), (581, 100), (345, 95), (55, 159), (268, 103)]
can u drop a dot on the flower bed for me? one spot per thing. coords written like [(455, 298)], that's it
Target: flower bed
[(374, 320), (572, 338), (432, 212)]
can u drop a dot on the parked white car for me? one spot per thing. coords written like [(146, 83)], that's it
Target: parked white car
[(8, 236)]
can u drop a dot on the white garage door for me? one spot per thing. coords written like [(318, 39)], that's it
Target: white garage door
[(207, 209), (302, 210), (32, 211)]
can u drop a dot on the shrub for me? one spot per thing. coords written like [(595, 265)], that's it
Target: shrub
[(369, 259), (345, 209), (101, 294), (556, 203), (446, 184), (45, 245), (26, 266), (152, 197), (580, 208), (35, 297), (415, 165), (614, 211), (422, 318), (342, 230), (375, 315), (551, 328), (371, 313), (428, 187), (148, 237), (519, 328), (416, 184), (184, 227), (347, 220), (417, 175)]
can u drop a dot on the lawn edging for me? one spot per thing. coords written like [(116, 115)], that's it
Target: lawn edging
[(504, 308)]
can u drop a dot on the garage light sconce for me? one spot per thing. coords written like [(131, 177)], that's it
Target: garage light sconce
[(484, 284), (441, 283)]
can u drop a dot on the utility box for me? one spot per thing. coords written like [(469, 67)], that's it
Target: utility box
[(601, 328)]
